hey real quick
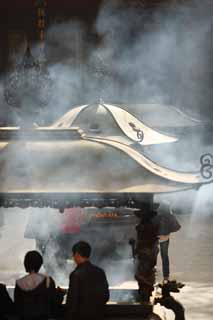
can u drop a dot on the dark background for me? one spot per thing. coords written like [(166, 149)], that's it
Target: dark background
[(18, 25), (18, 16)]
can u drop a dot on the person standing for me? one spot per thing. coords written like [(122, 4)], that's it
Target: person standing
[(164, 252), (88, 289), (168, 223), (6, 304), (35, 295)]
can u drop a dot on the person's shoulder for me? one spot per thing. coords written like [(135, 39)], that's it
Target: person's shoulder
[(3, 288), (97, 269), (76, 272), (51, 279), (50, 282), (31, 281), (21, 280), (86, 267)]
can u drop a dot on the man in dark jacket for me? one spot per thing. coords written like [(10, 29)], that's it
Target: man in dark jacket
[(88, 287)]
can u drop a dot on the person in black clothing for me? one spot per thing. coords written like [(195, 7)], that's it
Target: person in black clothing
[(35, 295), (168, 224), (88, 287), (6, 303)]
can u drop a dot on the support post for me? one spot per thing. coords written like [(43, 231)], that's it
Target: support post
[(146, 252)]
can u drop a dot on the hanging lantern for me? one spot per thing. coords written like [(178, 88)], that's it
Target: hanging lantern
[(29, 78), (28, 87)]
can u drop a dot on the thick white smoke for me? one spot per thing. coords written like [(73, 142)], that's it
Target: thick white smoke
[(139, 57)]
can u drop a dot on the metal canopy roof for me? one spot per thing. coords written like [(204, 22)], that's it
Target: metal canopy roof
[(62, 165)]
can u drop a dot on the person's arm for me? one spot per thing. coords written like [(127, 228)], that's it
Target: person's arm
[(105, 288), (18, 300), (52, 297), (73, 297)]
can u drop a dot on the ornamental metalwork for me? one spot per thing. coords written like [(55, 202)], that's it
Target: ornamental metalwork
[(139, 132), (58, 200), (206, 161), (29, 78), (28, 87)]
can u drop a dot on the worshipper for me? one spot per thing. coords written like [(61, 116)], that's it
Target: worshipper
[(6, 303), (168, 224), (35, 295), (88, 287)]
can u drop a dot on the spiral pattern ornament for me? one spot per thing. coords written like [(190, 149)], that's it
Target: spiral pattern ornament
[(206, 161), (139, 132)]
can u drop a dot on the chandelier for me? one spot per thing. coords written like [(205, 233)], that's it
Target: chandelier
[(29, 78), (28, 87)]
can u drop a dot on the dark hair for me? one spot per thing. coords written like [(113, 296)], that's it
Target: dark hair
[(83, 248), (33, 261)]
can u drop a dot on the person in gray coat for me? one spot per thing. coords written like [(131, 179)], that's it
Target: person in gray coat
[(35, 294)]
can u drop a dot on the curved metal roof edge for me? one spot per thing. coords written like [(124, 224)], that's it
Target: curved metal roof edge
[(148, 127), (176, 109), (57, 123), (195, 177), (187, 116), (107, 107)]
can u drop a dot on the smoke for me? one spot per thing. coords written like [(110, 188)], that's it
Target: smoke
[(43, 229), (12, 244), (166, 61), (131, 56)]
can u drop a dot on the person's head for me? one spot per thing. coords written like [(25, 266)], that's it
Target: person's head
[(165, 207), (33, 261), (81, 252)]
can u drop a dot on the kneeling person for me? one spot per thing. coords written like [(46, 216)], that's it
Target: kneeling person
[(88, 287)]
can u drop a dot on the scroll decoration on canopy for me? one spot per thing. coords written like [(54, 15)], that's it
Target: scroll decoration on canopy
[(206, 170), (139, 132)]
